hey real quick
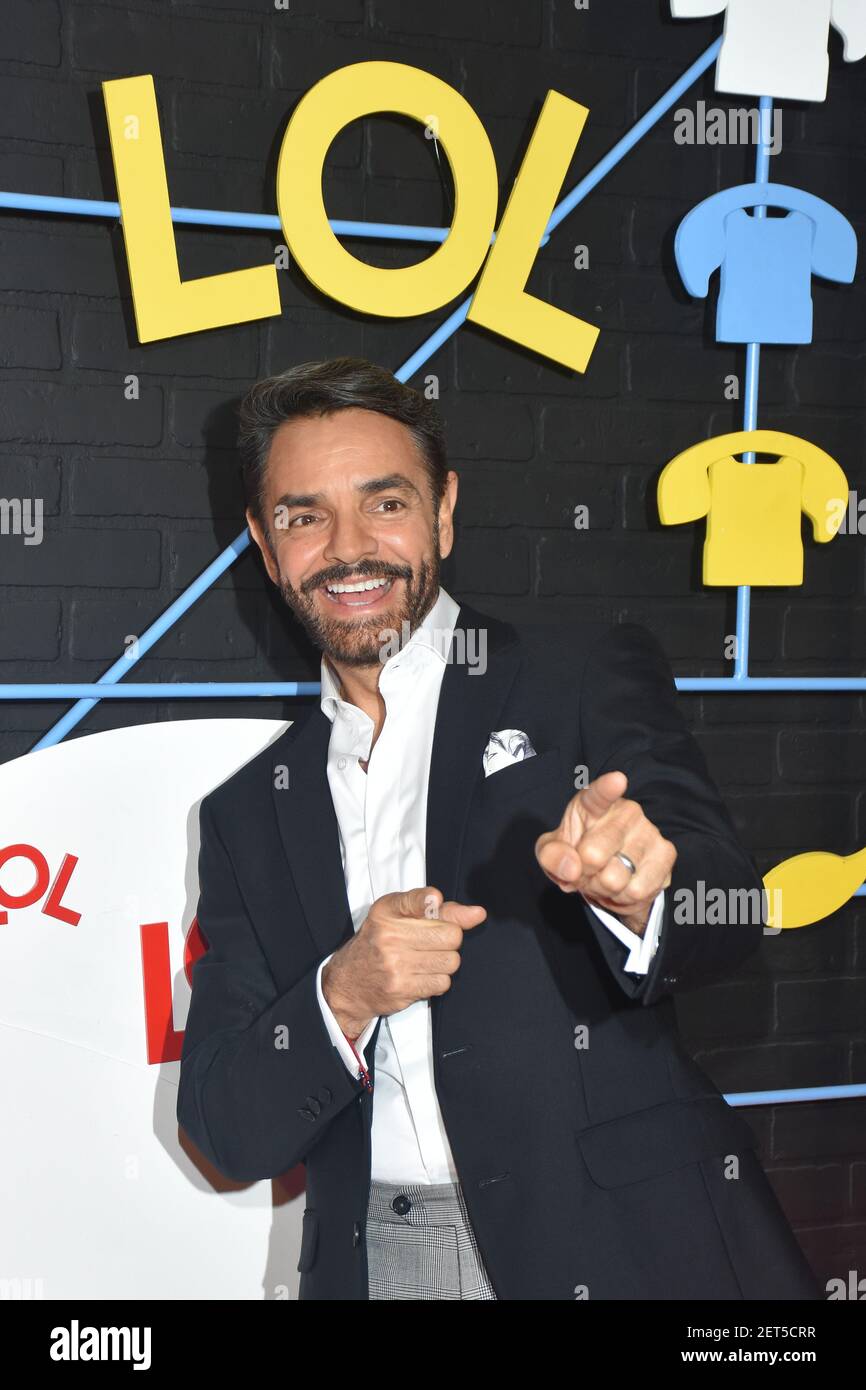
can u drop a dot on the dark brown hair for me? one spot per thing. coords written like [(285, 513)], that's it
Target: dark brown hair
[(319, 388)]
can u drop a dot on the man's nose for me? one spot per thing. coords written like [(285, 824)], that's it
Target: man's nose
[(351, 539)]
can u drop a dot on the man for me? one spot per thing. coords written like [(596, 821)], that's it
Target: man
[(440, 911)]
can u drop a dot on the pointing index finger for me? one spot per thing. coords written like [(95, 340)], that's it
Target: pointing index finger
[(602, 793)]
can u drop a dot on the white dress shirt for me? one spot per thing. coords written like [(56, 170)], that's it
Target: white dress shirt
[(382, 820)]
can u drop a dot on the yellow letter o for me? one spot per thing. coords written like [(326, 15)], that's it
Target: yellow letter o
[(365, 89)]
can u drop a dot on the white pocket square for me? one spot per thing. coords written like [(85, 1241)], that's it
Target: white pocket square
[(504, 748)]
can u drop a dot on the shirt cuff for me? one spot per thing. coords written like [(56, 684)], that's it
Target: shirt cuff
[(641, 948), (335, 1032)]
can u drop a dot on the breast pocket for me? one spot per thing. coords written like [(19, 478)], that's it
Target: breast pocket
[(309, 1240), (522, 777)]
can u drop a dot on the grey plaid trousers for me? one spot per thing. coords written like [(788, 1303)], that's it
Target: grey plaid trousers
[(420, 1244)]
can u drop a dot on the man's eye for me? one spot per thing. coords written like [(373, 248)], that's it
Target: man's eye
[(305, 516), (391, 502)]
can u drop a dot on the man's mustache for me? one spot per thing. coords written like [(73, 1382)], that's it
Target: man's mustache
[(365, 570)]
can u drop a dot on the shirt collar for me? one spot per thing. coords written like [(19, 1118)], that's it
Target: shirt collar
[(431, 641)]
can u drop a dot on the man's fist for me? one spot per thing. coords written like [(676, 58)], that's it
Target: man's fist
[(407, 949), (581, 854)]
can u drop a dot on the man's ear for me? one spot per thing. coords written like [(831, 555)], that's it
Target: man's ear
[(446, 515), (263, 544)]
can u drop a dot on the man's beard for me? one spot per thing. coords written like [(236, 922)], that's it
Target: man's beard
[(360, 641)]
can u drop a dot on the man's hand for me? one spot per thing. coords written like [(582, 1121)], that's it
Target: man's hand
[(407, 949), (580, 855)]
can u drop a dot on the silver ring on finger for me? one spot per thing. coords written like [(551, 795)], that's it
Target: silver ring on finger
[(629, 863)]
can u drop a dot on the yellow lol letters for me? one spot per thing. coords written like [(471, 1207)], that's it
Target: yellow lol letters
[(166, 306)]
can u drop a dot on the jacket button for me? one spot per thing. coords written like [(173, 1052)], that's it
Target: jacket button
[(401, 1204), (356, 1234), (325, 1095), (315, 1105)]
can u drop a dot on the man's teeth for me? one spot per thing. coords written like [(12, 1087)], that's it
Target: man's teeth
[(356, 588)]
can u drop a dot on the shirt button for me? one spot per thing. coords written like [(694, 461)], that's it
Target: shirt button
[(341, 763)]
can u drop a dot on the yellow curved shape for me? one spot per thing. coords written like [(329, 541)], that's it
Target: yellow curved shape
[(810, 886), (365, 89)]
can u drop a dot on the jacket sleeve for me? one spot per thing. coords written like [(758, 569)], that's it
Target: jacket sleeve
[(260, 1078), (715, 905)]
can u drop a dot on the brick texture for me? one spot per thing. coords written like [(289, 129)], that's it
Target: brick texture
[(140, 494)]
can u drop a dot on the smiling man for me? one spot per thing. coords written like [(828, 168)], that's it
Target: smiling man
[(448, 908)]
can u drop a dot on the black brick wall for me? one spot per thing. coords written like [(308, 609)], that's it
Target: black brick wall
[(140, 496)]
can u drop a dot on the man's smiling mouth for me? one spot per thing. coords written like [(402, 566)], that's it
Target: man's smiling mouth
[(362, 593)]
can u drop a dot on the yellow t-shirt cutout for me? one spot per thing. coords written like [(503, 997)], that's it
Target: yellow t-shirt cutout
[(753, 510)]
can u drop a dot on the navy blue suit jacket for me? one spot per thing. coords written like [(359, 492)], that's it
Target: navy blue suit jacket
[(604, 1170)]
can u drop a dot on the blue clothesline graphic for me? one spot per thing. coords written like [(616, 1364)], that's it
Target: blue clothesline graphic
[(87, 694)]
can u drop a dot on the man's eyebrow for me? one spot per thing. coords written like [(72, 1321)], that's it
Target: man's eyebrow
[(298, 499), (390, 483)]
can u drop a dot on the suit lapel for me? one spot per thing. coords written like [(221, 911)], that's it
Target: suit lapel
[(466, 716), (308, 829)]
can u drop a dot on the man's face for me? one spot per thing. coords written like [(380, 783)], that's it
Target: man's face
[(348, 501)]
